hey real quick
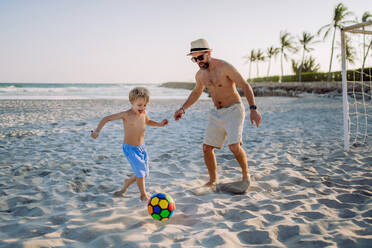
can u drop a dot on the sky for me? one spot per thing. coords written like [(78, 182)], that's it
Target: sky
[(90, 41)]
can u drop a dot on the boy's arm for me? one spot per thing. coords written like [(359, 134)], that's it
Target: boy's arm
[(154, 123), (106, 119)]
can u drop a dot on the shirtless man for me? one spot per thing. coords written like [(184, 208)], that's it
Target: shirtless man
[(226, 120)]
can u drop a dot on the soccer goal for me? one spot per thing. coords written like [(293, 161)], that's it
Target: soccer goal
[(356, 57)]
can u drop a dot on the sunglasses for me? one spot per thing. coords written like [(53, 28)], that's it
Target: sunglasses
[(200, 58)]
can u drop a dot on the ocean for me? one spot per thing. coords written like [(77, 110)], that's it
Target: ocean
[(66, 91)]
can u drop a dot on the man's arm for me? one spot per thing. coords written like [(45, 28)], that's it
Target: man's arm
[(193, 97), (235, 76)]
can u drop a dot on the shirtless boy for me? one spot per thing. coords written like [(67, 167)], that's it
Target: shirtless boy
[(135, 120)]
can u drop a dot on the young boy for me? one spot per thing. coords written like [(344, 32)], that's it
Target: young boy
[(135, 119)]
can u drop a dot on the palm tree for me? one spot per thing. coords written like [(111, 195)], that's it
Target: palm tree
[(286, 44), (338, 21), (259, 57), (350, 51), (306, 40), (365, 18), (308, 65), (271, 52), (250, 59)]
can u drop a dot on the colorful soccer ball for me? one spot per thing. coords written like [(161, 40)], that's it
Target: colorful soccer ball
[(161, 206)]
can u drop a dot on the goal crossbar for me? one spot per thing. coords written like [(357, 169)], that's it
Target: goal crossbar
[(356, 26)]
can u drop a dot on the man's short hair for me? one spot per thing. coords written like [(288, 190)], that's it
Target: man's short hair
[(139, 92)]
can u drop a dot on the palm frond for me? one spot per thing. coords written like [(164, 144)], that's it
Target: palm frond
[(366, 16)]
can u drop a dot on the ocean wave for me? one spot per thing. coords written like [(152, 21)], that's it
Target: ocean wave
[(85, 91)]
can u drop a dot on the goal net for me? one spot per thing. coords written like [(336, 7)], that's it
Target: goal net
[(356, 57)]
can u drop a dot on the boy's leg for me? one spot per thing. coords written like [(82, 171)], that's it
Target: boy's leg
[(127, 183), (241, 157), (211, 163), (142, 188)]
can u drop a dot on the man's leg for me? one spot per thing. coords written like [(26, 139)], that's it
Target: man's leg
[(241, 157), (211, 163)]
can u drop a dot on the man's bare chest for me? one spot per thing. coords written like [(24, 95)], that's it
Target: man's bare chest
[(214, 80)]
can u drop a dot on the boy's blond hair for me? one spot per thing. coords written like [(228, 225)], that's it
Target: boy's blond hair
[(139, 92)]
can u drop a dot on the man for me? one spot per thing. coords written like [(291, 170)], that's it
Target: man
[(226, 120)]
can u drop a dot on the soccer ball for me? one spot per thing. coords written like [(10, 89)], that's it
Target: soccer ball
[(161, 206)]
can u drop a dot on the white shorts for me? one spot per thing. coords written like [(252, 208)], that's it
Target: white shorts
[(225, 123)]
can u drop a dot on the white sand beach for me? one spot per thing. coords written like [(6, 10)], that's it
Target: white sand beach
[(57, 183)]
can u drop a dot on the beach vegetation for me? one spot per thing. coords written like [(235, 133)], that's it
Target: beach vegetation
[(315, 76), (286, 45), (259, 58), (305, 65), (339, 20), (271, 52), (350, 51), (306, 69), (250, 59), (366, 17), (306, 40)]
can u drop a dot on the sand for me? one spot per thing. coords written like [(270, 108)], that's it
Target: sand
[(57, 183)]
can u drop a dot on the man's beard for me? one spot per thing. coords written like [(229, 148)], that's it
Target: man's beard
[(204, 66)]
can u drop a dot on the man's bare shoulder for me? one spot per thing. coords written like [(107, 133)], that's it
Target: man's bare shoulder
[(224, 64), (198, 74), (227, 68)]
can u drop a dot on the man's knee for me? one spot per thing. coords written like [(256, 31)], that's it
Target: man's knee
[(207, 148), (235, 148)]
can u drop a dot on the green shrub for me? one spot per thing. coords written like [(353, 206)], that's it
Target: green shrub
[(336, 76)]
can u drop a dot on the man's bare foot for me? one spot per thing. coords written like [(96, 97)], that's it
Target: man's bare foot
[(144, 198), (210, 184), (246, 178)]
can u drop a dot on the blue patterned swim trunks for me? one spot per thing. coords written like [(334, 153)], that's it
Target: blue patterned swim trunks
[(137, 158)]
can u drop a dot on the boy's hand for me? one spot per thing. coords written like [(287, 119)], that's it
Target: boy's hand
[(164, 122), (94, 134)]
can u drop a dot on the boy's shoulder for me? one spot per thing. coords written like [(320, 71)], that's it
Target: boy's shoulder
[(126, 113), (122, 114), (130, 112)]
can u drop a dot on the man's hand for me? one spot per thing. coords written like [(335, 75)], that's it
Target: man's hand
[(178, 114), (255, 117), (94, 134), (164, 122)]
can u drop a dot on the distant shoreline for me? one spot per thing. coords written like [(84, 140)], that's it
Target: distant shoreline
[(277, 89)]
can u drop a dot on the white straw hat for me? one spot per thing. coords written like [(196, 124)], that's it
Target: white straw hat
[(199, 45)]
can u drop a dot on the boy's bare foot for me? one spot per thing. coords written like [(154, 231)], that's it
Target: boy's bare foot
[(144, 198), (120, 193)]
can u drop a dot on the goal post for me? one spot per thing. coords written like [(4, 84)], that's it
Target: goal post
[(345, 104), (356, 42)]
